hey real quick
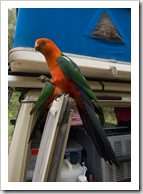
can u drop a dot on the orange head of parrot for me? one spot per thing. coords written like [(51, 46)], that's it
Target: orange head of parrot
[(46, 46)]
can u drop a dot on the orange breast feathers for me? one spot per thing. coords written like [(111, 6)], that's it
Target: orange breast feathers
[(62, 82)]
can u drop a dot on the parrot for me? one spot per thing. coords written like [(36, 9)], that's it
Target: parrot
[(67, 76), (47, 95)]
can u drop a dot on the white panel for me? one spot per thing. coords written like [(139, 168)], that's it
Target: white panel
[(27, 60), (19, 145), (47, 141)]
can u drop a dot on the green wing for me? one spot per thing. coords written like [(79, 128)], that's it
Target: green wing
[(71, 70), (46, 92), (73, 63)]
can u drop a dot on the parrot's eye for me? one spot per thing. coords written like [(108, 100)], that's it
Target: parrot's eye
[(44, 42)]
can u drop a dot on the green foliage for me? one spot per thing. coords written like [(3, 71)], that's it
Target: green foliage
[(11, 26), (13, 108), (110, 117), (13, 104)]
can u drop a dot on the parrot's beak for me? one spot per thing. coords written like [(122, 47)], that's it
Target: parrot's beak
[(37, 47)]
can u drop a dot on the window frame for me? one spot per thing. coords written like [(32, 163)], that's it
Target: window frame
[(95, 20)]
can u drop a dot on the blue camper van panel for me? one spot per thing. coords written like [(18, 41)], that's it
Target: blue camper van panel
[(103, 33)]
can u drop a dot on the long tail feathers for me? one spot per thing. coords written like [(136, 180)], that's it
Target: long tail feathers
[(96, 132), (100, 113), (37, 120)]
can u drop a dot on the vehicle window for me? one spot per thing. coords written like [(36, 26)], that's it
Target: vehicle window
[(105, 29), (110, 117)]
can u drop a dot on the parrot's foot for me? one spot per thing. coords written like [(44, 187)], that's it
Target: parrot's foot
[(43, 79), (59, 95)]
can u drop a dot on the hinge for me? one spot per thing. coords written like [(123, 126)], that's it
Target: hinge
[(113, 70)]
